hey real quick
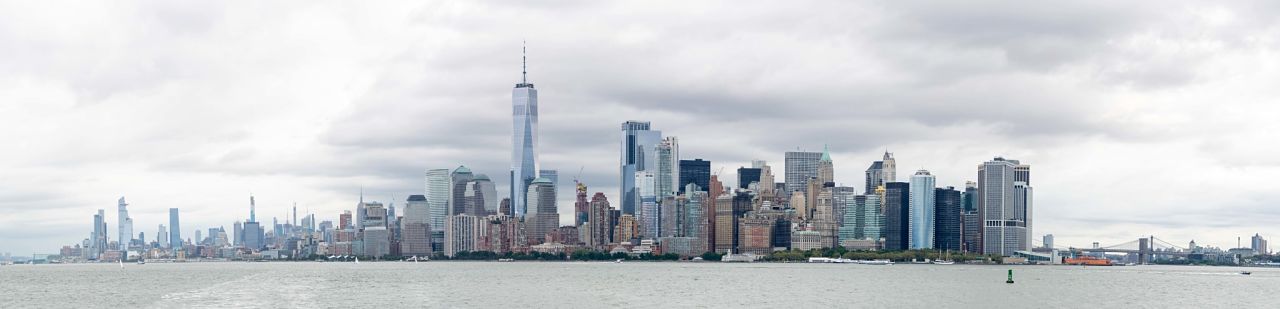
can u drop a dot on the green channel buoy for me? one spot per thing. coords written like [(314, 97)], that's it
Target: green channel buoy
[(1010, 281)]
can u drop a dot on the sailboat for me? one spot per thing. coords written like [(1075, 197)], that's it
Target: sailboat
[(357, 260), (121, 263), (944, 261)]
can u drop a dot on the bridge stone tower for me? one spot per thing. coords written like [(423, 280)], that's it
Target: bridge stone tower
[(1144, 250)]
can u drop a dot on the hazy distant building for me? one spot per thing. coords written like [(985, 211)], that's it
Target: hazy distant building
[(377, 238), (481, 196), (125, 225), (668, 167), (799, 167), (767, 184), (698, 211), (696, 172), (254, 234), (948, 217), (649, 217), (881, 172), (99, 236), (638, 154), (897, 215), (459, 179), (175, 234), (1005, 206), (921, 215), (1259, 244), (415, 239), (162, 237), (542, 216)]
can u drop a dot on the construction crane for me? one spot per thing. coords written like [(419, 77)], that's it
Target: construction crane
[(578, 184)]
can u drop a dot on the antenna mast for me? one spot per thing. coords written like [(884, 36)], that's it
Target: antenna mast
[(524, 63)]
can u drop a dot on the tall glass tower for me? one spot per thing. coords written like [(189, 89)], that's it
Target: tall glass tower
[(125, 226), (639, 153), (921, 217), (524, 140), (175, 234)]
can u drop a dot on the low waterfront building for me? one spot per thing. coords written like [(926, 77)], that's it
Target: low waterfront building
[(806, 240), (685, 247)]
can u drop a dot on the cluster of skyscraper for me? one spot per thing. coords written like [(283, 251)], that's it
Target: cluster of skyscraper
[(665, 204)]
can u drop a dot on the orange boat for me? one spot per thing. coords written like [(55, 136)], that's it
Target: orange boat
[(1088, 260)]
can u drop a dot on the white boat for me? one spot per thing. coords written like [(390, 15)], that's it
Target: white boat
[(875, 262), (618, 261), (506, 260), (142, 261), (738, 258), (940, 262), (121, 264), (357, 260)]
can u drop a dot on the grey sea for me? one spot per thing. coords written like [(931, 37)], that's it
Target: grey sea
[(631, 284)]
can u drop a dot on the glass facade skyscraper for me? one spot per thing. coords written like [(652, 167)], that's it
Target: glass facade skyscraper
[(896, 209), (175, 236), (524, 141), (747, 175), (948, 219), (921, 216), (638, 153), (696, 171)]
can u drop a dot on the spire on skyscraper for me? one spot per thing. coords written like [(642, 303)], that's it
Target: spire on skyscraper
[(524, 63), (252, 216)]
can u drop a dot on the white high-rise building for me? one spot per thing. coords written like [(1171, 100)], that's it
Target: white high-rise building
[(162, 237), (921, 215), (438, 185), (649, 218), (524, 141), (668, 169), (1004, 204), (799, 167)]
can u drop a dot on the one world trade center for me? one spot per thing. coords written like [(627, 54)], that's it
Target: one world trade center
[(524, 140)]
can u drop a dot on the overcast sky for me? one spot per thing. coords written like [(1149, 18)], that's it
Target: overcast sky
[(1138, 118)]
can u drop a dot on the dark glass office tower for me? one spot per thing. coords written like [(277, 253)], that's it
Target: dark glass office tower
[(697, 172), (896, 204), (747, 175), (948, 219)]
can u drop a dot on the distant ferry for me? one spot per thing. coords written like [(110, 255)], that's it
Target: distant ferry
[(739, 258), (142, 261), (1088, 260), (506, 260), (941, 262)]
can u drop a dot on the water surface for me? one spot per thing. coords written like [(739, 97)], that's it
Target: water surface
[(631, 284)]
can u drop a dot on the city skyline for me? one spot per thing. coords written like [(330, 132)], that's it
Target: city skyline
[(175, 128)]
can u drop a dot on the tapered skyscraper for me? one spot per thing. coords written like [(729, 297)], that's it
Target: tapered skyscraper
[(524, 141), (125, 225)]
